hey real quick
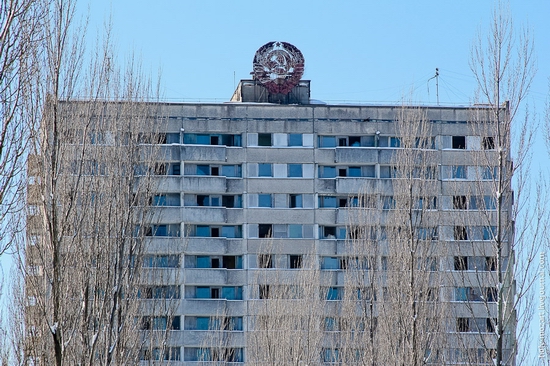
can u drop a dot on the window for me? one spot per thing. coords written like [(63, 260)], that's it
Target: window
[(354, 171), (295, 139), (265, 230), (395, 142), (264, 139), (265, 170), (294, 170), (331, 355), (231, 171), (489, 173), (295, 261), (460, 233), (328, 232), (327, 172), (263, 292), (265, 261), (388, 203), (295, 200), (159, 292), (167, 199), (264, 200), (211, 139), (459, 202), (172, 230), (488, 143), (327, 202), (330, 263), (490, 264), (161, 260), (461, 263), (489, 232), (295, 231), (327, 141), (458, 171), (160, 323), (388, 172), (354, 141), (490, 202), (334, 293), (160, 354), (462, 325), (193, 354), (459, 142)]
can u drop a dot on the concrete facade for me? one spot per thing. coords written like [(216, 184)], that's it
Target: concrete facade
[(248, 169)]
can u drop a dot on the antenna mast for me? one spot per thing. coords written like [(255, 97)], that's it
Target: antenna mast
[(436, 77)]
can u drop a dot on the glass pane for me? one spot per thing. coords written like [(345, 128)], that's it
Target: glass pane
[(264, 200), (203, 139), (228, 293), (294, 231), (203, 231), (294, 170), (203, 261), (264, 170), (327, 141), (295, 139), (330, 263), (203, 170), (327, 201), (202, 293), (203, 323), (327, 172), (354, 171)]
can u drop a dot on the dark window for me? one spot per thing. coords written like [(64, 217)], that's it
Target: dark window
[(461, 263), (459, 142), (215, 170), (203, 200), (264, 291), (215, 232), (460, 202), (342, 172), (462, 325), (329, 232), (491, 325), (342, 141), (460, 233), (488, 143), (215, 263), (264, 139), (491, 294), (265, 230), (228, 201), (354, 140), (214, 140), (265, 261), (490, 264), (295, 201), (229, 262), (214, 293), (295, 261)]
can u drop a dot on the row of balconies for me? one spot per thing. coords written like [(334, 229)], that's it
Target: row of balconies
[(356, 155)]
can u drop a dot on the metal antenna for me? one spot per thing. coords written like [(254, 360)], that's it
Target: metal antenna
[(436, 77)]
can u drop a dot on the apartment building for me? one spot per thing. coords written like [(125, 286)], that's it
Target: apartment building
[(271, 185)]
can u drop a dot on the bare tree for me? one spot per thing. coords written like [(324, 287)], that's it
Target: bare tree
[(90, 173), (503, 65), (21, 24)]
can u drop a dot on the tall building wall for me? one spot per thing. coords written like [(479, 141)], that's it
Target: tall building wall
[(290, 173)]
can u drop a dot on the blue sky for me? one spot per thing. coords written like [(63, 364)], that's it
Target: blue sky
[(367, 51)]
